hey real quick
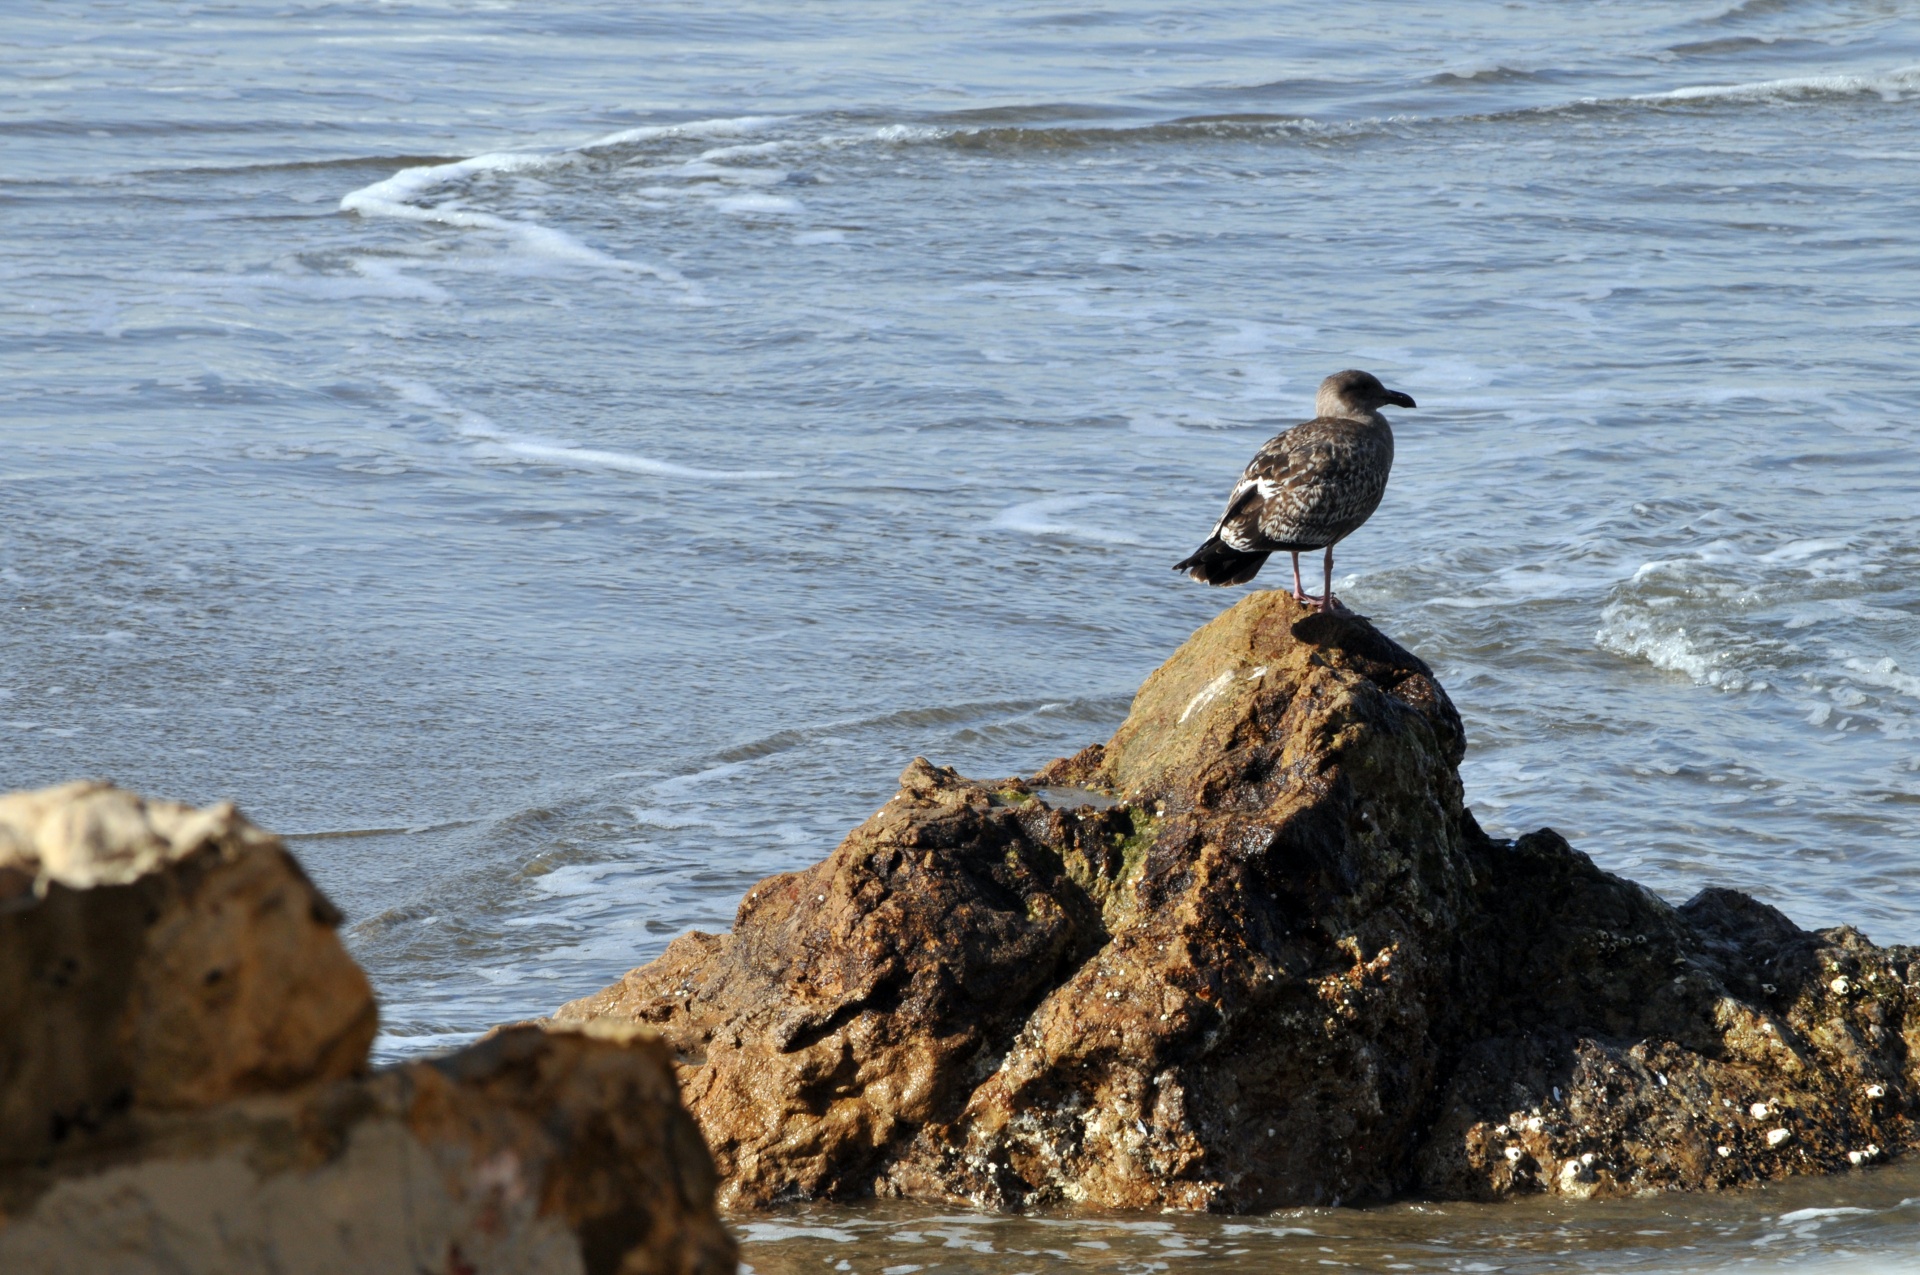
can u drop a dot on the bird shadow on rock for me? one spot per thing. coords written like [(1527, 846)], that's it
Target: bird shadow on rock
[(1338, 630)]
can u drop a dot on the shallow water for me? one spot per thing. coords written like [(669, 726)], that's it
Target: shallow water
[(563, 462), (1789, 1227)]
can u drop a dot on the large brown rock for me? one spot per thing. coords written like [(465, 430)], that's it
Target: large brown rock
[(1254, 952), (532, 1153), (184, 1083)]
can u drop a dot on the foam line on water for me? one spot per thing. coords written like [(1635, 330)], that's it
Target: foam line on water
[(1892, 85), (412, 183), (1808, 1215), (754, 203), (1040, 518), (400, 197), (483, 429), (736, 126), (387, 1048), (592, 458), (394, 198)]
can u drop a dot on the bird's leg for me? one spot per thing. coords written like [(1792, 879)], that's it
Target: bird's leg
[(1299, 591), (1327, 601)]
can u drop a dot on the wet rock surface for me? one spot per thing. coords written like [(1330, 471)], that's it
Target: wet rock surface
[(1270, 960), (184, 1083)]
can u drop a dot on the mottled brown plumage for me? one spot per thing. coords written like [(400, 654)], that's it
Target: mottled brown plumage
[(1308, 488)]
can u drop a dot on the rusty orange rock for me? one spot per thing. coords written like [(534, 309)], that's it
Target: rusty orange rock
[(1251, 952)]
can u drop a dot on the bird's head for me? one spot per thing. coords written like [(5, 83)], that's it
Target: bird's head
[(1357, 395)]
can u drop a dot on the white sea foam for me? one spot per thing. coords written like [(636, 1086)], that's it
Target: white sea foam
[(1660, 614), (409, 194), (1790, 619), (392, 281), (1633, 632), (591, 458), (402, 197), (1532, 582), (1809, 1215), (1248, 337), (385, 1046), (910, 133), (1040, 518), (1885, 674), (397, 197), (1891, 85), (754, 203), (482, 429), (764, 1232), (412, 183), (586, 879), (736, 126)]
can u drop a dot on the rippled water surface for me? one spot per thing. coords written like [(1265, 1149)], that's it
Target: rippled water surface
[(1792, 1227), (562, 461)]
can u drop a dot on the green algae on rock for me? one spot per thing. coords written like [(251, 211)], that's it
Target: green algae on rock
[(1286, 968)]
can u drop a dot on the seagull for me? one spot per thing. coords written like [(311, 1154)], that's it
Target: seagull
[(1308, 488)]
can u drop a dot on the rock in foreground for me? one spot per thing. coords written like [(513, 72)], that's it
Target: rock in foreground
[(532, 1153), (154, 957), (1254, 952), (184, 1083)]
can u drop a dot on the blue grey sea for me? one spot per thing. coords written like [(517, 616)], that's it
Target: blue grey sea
[(560, 461)]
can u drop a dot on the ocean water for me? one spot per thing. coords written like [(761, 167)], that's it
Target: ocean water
[(560, 462)]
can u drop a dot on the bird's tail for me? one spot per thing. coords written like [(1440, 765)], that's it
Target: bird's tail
[(1217, 562)]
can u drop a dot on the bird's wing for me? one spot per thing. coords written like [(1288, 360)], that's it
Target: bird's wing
[(1323, 480), (1264, 475), (1279, 458), (1245, 492), (1243, 512)]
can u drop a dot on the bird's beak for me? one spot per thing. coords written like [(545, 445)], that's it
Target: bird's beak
[(1398, 399)]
